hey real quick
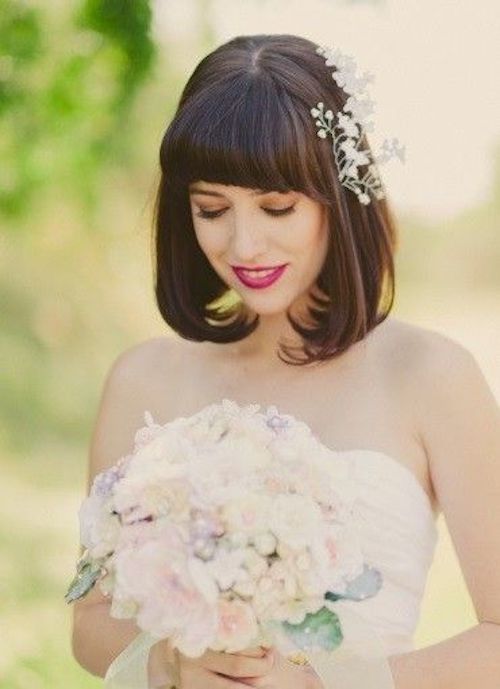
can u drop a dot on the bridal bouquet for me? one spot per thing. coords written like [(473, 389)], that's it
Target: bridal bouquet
[(227, 529)]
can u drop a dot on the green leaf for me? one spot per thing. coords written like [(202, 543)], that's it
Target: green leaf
[(87, 575), (321, 629), (366, 585)]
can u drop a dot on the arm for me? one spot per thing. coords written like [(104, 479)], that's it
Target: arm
[(465, 661), (97, 638), (460, 428)]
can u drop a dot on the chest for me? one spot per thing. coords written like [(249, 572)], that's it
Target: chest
[(354, 403), (350, 405)]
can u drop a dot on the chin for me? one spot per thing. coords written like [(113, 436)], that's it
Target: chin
[(268, 305)]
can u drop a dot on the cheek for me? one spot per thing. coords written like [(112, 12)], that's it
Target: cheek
[(211, 241), (308, 236)]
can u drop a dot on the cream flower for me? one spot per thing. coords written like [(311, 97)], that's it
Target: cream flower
[(159, 491), (295, 519), (265, 543), (99, 527), (249, 514), (294, 610), (226, 566), (256, 565)]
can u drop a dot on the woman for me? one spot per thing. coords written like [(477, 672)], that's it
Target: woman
[(249, 183)]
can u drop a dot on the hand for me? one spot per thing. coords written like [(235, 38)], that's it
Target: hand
[(286, 675), (220, 670)]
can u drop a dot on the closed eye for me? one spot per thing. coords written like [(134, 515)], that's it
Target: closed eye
[(271, 211)]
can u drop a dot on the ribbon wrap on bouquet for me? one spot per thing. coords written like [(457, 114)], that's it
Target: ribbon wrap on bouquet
[(359, 662)]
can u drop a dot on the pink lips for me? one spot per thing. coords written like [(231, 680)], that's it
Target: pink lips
[(259, 283)]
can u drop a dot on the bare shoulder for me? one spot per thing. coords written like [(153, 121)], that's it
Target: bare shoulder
[(430, 370), (426, 367), (445, 377), (140, 375), (452, 402), (415, 350), (138, 378), (139, 361)]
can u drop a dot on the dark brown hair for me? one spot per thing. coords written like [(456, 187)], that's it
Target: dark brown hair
[(244, 119)]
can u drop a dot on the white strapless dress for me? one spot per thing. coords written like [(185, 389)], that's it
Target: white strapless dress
[(398, 533)]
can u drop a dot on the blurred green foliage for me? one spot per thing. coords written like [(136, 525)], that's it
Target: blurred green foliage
[(69, 77)]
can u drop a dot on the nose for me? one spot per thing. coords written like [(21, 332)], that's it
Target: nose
[(247, 240)]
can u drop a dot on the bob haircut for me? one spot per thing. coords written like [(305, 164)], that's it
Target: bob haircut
[(244, 119)]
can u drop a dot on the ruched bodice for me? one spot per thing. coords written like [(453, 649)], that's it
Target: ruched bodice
[(398, 532)]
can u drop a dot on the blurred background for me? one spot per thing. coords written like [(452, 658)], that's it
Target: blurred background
[(87, 88)]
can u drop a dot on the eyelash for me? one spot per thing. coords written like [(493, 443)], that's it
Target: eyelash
[(214, 214)]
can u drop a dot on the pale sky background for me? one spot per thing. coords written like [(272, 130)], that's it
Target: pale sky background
[(436, 87)]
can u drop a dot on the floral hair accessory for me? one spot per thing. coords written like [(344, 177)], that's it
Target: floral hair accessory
[(348, 129)]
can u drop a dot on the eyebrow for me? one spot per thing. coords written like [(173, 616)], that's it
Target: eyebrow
[(197, 190)]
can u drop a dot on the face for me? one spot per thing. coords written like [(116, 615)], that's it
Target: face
[(237, 227)]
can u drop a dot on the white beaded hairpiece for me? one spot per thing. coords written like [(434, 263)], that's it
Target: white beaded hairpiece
[(347, 132)]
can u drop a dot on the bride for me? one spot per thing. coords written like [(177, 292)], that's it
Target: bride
[(255, 202)]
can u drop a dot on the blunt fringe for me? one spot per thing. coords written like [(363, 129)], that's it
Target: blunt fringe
[(244, 119)]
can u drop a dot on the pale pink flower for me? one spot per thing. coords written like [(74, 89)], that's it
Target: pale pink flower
[(157, 576), (237, 626), (136, 535)]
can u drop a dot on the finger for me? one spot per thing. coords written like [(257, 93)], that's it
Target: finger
[(237, 665), (193, 676), (253, 652), (221, 682), (257, 682)]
